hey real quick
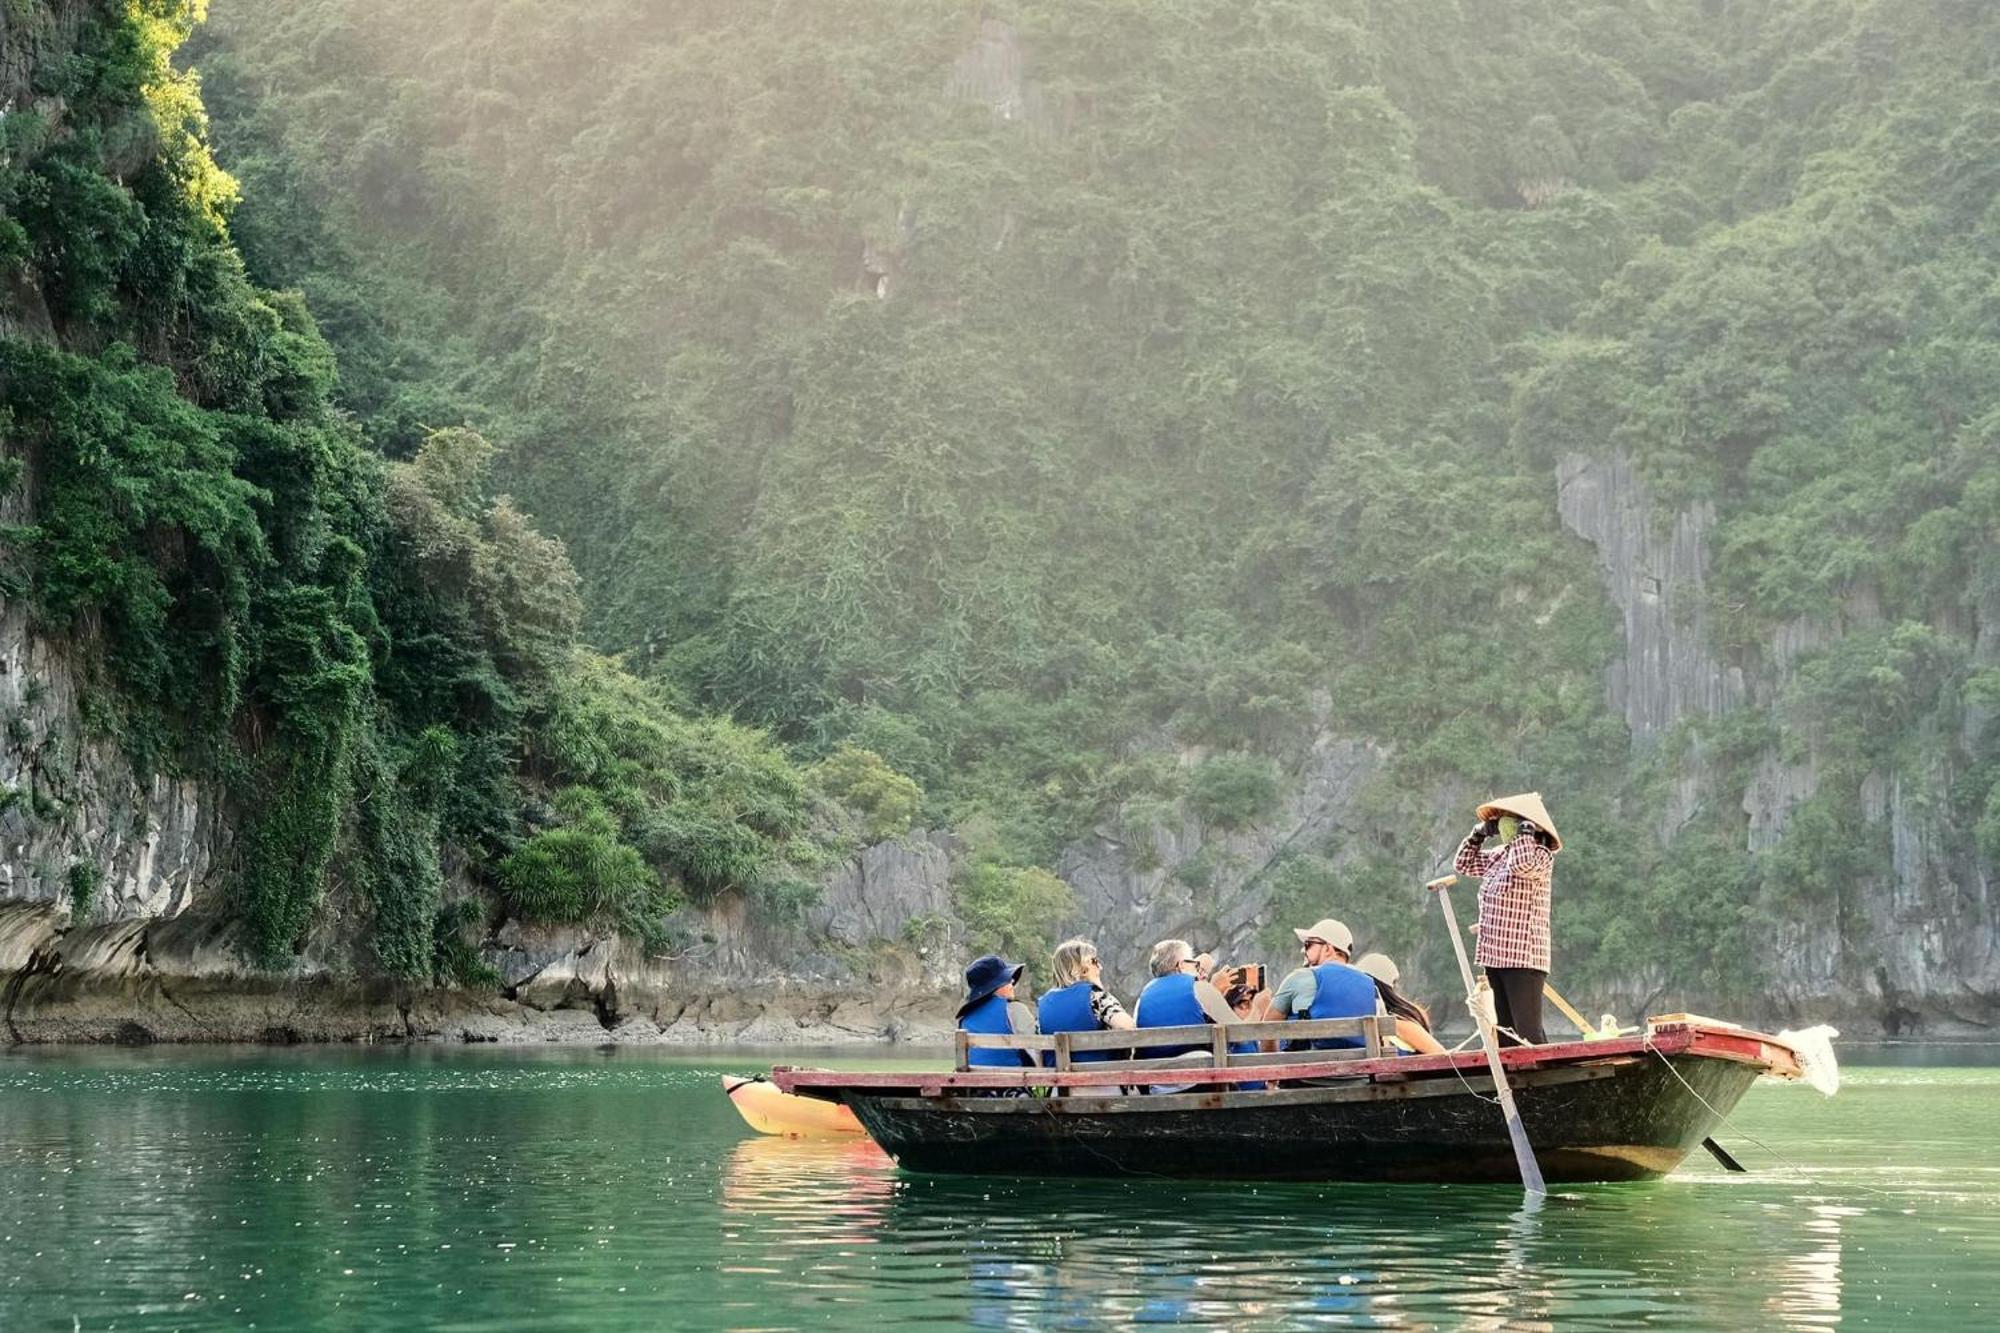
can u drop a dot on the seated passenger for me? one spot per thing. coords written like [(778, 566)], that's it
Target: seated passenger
[(990, 1007), (1413, 1021), (1175, 997), (1326, 987), (1079, 1003), (1242, 1001)]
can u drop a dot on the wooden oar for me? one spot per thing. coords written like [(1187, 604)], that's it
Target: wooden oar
[(1568, 1010), (1715, 1150), (1524, 1156)]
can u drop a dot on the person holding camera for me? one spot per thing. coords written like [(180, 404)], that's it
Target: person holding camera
[(1241, 987), (1179, 995), (1515, 884)]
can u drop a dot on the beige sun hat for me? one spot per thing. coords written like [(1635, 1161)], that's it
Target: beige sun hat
[(1528, 805), (1379, 966), (1333, 932)]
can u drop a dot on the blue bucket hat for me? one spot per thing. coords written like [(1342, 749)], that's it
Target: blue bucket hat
[(986, 974)]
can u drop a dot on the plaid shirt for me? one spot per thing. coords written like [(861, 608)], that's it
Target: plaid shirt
[(1514, 885)]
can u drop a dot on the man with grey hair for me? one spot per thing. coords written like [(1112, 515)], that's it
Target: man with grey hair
[(1177, 997)]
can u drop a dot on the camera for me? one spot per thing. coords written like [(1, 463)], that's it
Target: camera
[(1247, 979)]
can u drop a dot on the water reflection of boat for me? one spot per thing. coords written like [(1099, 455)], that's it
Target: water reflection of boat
[(1623, 1109)]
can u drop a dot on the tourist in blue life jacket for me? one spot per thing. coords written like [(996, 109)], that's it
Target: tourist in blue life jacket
[(1079, 1002), (990, 1007), (1326, 987), (1176, 997), (1413, 1021)]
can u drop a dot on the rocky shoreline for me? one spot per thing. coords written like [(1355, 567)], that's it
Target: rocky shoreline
[(293, 1016), (178, 980)]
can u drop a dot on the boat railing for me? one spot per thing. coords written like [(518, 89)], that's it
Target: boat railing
[(1212, 1040)]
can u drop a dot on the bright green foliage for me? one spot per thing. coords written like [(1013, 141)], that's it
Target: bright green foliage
[(887, 801), (84, 878), (378, 658), (1206, 385), (1232, 791), (1212, 377), (125, 465), (715, 806), (581, 871), (1015, 911)]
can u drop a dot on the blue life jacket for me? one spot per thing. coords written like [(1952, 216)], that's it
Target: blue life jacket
[(1343, 992), (1169, 1002), (1245, 1048), (990, 1015), (1068, 1010)]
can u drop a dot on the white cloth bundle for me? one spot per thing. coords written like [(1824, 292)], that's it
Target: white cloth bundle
[(1817, 1065)]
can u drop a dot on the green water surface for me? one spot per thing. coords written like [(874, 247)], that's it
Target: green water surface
[(486, 1188)]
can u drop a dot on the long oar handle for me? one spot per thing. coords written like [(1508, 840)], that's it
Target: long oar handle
[(1524, 1155), (1583, 1024)]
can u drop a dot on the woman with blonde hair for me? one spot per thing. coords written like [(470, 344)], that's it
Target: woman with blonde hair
[(1079, 1002)]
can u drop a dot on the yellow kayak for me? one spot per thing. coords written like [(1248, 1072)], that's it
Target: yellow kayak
[(769, 1111)]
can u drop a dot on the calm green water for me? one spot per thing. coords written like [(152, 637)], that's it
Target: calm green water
[(479, 1188)]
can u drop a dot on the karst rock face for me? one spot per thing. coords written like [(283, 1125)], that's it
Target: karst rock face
[(1914, 947)]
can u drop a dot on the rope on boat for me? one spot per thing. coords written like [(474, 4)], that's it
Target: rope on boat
[(1800, 1171), (1091, 1148), (1479, 1003)]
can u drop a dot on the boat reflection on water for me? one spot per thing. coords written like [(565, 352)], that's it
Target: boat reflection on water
[(1809, 1286), (1103, 1254), (839, 1218), (834, 1189)]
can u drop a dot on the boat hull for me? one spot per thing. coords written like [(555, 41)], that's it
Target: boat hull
[(1607, 1123), (769, 1111)]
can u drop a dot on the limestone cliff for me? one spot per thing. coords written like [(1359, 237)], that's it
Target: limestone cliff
[(1911, 948)]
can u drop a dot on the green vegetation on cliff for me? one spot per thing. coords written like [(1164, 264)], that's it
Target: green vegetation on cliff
[(379, 659), (998, 388), (1074, 407)]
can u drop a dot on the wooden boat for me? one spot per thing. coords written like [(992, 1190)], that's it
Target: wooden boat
[(768, 1111), (1624, 1108)]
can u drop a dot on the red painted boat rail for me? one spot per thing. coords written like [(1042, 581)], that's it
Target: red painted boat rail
[(1667, 1039)]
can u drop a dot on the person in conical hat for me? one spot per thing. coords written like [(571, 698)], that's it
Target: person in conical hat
[(1516, 882)]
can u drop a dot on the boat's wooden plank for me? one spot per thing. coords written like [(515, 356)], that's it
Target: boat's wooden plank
[(1008, 1041), (1096, 1075), (1115, 1039), (1303, 1029), (1171, 1068), (1667, 1041), (1213, 1099), (1205, 1034)]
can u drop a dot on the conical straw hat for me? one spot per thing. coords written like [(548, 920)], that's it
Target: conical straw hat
[(1528, 805)]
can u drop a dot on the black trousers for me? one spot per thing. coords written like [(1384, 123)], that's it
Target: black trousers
[(1517, 1002)]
